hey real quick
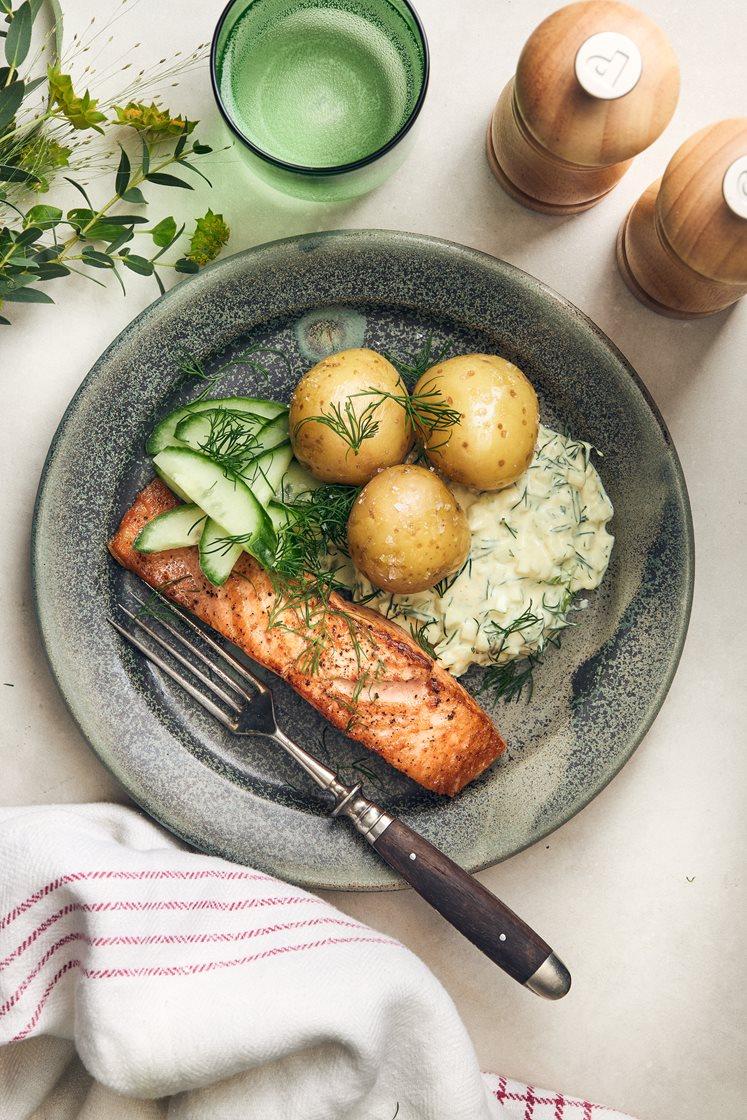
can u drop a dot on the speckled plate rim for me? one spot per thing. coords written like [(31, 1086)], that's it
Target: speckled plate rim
[(477, 256)]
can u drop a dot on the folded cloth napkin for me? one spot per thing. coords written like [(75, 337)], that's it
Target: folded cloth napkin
[(133, 968)]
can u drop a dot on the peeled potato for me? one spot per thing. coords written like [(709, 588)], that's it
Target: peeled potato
[(493, 442), (406, 531), (329, 390)]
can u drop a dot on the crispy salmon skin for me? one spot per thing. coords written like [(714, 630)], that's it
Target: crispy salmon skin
[(369, 678)]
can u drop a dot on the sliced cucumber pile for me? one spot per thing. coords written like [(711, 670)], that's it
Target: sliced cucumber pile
[(164, 433), (230, 461), (223, 496)]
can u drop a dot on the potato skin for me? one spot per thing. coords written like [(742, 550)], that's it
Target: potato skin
[(494, 442), (406, 531), (333, 381)]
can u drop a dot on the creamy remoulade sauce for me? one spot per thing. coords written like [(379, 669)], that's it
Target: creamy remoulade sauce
[(534, 544)]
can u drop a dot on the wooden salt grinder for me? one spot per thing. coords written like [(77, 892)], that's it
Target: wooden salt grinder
[(596, 83), (682, 250)]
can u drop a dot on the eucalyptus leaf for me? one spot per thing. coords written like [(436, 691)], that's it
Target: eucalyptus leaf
[(78, 187), (163, 233), (10, 174), (201, 149), (183, 163), (29, 235), (141, 265), (96, 259), (43, 216), (119, 279), (134, 194), (35, 83), (123, 172), (185, 265), (125, 219), (10, 100), (18, 39), (27, 295), (176, 237), (168, 180), (52, 271), (159, 281), (121, 239), (4, 322)]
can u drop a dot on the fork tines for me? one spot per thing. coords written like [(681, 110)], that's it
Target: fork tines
[(223, 690)]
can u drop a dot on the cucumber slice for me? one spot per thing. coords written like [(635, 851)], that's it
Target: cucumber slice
[(178, 528), (217, 558), (266, 472), (216, 431), (279, 515), (223, 496), (297, 482), (164, 433), (171, 485)]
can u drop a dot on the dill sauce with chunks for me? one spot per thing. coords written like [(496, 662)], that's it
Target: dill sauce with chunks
[(534, 544)]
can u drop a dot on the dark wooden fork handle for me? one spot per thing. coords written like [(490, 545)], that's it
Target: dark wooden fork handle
[(474, 911)]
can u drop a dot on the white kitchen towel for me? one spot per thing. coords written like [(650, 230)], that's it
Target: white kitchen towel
[(208, 991)]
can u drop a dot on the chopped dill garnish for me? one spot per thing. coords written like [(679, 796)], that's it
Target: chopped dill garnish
[(444, 585), (419, 634)]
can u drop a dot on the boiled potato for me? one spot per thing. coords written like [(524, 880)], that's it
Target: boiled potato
[(494, 441), (331, 448), (406, 531)]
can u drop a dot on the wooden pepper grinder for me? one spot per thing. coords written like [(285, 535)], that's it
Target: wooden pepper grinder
[(682, 250), (596, 83)]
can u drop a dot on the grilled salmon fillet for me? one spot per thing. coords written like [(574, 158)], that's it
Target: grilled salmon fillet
[(370, 679)]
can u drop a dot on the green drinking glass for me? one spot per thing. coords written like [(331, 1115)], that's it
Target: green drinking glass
[(322, 94)]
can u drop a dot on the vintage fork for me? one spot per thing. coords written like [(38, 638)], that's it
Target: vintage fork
[(226, 688)]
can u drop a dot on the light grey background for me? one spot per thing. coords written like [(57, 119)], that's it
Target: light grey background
[(642, 892)]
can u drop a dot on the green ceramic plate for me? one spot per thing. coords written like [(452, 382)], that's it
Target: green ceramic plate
[(594, 698)]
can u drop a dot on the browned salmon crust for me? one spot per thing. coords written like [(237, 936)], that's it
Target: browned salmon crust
[(372, 681)]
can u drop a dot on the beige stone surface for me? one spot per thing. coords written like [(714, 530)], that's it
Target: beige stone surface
[(642, 892)]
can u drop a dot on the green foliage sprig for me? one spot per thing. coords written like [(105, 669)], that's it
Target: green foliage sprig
[(44, 136)]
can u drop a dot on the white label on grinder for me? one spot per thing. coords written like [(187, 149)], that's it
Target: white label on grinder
[(735, 187), (608, 65)]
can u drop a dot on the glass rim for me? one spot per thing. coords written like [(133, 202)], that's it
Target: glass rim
[(301, 169)]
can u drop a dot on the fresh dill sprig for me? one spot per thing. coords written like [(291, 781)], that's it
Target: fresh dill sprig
[(303, 579), (412, 369), (316, 523), (510, 679), (192, 368), (427, 411), (232, 439), (352, 427)]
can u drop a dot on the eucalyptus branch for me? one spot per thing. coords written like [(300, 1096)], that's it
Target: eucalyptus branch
[(39, 144)]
